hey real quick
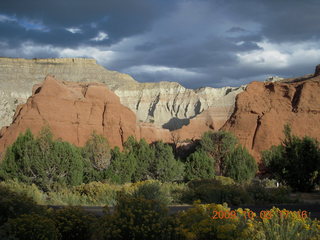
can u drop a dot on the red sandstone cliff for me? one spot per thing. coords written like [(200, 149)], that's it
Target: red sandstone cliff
[(262, 110), (73, 111)]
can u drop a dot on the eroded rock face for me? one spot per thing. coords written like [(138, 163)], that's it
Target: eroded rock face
[(262, 110), (166, 104), (73, 111), (317, 71), (171, 106)]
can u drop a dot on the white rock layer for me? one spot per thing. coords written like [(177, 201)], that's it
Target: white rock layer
[(166, 104)]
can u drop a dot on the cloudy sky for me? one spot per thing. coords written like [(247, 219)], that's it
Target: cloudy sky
[(194, 42)]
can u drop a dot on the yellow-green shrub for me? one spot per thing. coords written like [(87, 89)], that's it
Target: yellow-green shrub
[(136, 218), (73, 223), (284, 225), (197, 223)]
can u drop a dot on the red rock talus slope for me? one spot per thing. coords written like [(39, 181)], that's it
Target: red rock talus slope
[(73, 111), (263, 109)]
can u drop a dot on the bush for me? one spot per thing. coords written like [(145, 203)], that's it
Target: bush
[(217, 180), (136, 218), (262, 195), (97, 193), (73, 223), (30, 226), (296, 162), (284, 226), (231, 194), (152, 190), (197, 223), (13, 204), (31, 191)]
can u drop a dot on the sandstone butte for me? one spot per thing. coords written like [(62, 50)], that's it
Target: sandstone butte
[(73, 111), (262, 110)]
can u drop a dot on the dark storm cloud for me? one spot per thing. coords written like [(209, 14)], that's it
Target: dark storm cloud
[(118, 19), (196, 42), (281, 20)]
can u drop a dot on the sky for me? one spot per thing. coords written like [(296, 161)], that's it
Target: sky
[(194, 42)]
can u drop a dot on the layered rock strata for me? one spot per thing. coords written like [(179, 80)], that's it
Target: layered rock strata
[(73, 111), (166, 104)]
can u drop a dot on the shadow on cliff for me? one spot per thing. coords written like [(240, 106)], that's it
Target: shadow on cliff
[(176, 123)]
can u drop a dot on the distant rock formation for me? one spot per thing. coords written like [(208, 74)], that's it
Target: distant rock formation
[(166, 104), (317, 71), (73, 111), (262, 110)]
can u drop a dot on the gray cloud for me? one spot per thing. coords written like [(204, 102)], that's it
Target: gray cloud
[(195, 42)]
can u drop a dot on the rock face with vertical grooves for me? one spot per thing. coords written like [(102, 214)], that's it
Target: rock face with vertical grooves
[(262, 110), (74, 111), (166, 104)]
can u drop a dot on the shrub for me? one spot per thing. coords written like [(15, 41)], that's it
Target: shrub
[(13, 204), (136, 218), (31, 191), (97, 193), (217, 180), (296, 162), (231, 194), (30, 226), (262, 195), (197, 223), (152, 190), (73, 223), (284, 226)]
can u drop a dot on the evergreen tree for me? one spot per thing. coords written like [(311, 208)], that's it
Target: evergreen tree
[(240, 165), (295, 162), (218, 145), (199, 166), (229, 158), (122, 167), (42, 161), (165, 167), (97, 151)]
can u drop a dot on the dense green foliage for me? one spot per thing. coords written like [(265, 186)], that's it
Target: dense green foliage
[(199, 165), (218, 190), (136, 218), (30, 226), (13, 204), (140, 161), (296, 162), (219, 153), (42, 161), (73, 223)]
